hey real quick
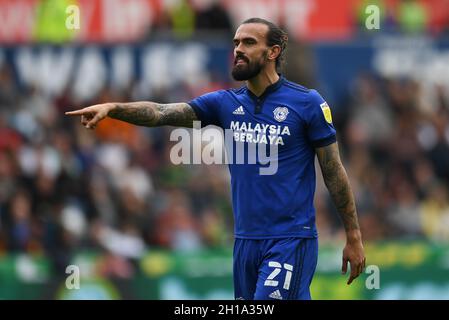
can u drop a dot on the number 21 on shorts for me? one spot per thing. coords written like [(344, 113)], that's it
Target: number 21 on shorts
[(270, 282)]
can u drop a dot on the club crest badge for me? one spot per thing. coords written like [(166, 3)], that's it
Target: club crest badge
[(280, 113)]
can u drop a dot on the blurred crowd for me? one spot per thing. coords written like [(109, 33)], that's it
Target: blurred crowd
[(394, 136), (63, 187)]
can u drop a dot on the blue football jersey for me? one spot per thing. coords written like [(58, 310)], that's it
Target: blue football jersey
[(293, 119)]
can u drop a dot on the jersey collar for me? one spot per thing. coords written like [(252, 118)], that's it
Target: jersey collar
[(271, 88)]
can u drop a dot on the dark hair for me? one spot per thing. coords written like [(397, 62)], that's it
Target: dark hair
[(275, 36)]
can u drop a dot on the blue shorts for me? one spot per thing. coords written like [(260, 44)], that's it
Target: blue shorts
[(279, 269)]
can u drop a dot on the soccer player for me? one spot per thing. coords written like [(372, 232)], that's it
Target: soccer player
[(276, 241)]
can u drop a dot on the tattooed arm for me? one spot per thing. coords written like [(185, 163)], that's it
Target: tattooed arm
[(337, 183), (142, 113)]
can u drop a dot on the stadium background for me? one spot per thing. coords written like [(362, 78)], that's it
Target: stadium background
[(111, 202)]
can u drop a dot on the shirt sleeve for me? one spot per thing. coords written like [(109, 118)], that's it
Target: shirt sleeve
[(320, 130), (207, 108)]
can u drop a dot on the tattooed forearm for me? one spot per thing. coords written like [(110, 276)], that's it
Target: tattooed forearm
[(150, 114), (140, 113), (176, 114), (337, 182)]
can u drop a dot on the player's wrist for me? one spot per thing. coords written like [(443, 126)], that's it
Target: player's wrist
[(110, 107), (353, 236)]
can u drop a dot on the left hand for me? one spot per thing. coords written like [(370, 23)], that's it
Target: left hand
[(355, 255)]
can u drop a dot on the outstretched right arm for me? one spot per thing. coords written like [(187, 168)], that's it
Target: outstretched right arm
[(142, 113)]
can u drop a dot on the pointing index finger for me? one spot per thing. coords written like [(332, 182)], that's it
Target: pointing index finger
[(76, 112)]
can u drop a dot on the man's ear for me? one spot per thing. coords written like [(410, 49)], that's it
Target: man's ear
[(274, 52)]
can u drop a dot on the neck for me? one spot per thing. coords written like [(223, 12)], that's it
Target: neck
[(259, 83)]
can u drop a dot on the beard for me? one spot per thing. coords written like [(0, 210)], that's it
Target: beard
[(249, 70)]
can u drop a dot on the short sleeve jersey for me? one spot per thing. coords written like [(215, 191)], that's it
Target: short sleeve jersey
[(290, 118)]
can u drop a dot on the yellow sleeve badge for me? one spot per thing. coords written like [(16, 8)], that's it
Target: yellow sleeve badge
[(327, 112)]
